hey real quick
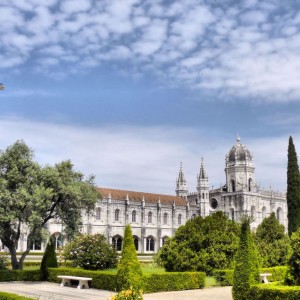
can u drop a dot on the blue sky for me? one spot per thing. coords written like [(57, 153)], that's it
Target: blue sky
[(129, 89)]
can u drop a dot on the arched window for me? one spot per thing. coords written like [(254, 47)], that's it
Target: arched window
[(149, 217), (134, 216), (233, 185), (117, 242), (136, 242), (250, 185), (164, 239), (232, 214), (150, 243), (279, 214), (165, 218), (193, 216), (117, 215), (253, 211), (98, 213), (264, 212), (179, 219)]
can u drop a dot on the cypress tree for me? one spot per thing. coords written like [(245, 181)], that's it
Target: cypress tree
[(246, 269), (293, 189), (49, 259), (129, 269)]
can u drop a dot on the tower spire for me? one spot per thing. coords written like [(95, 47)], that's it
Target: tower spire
[(181, 184)]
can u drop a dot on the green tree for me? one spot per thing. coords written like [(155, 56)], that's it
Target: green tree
[(202, 244), (91, 252), (49, 259), (31, 195), (293, 273), (129, 269), (246, 267), (272, 243), (293, 189)]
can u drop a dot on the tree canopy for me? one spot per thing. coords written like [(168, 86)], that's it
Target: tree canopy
[(32, 195), (202, 244), (272, 243), (293, 189)]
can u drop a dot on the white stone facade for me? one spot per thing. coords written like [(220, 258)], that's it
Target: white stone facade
[(155, 217)]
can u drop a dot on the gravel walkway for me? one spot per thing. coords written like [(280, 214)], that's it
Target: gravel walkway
[(53, 291)]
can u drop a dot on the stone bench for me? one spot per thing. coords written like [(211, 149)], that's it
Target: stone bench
[(66, 281), (263, 277)]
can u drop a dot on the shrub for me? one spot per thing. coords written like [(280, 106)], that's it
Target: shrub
[(274, 292), (293, 273), (246, 269), (130, 294), (91, 252), (129, 269), (202, 244), (49, 259), (19, 275), (152, 282), (273, 244), (3, 261)]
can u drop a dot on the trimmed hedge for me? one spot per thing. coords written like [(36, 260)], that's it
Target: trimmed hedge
[(274, 292), (152, 282), (9, 296), (225, 277), (19, 275)]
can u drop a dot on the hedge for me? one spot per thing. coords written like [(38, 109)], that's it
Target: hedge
[(9, 296), (274, 292), (152, 282), (225, 277), (19, 275)]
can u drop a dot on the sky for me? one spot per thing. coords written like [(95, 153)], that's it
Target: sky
[(129, 89)]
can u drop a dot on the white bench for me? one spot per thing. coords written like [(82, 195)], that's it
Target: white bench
[(263, 277), (66, 281)]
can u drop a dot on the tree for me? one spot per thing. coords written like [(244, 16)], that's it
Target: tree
[(202, 244), (293, 189), (31, 195), (129, 269), (91, 252), (246, 267), (293, 273), (272, 243), (49, 259)]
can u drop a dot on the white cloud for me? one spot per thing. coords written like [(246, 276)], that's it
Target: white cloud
[(144, 158)]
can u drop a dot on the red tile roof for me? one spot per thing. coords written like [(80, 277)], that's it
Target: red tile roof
[(138, 196)]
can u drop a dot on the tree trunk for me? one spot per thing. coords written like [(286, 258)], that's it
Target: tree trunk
[(14, 260)]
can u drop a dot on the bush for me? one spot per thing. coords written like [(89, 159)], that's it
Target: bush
[(91, 252), (19, 275), (49, 259), (225, 277), (246, 269), (202, 244), (129, 269), (274, 292), (293, 273), (273, 244), (152, 282), (9, 296), (130, 294), (3, 261)]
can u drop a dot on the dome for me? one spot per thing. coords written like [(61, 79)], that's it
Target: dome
[(239, 153)]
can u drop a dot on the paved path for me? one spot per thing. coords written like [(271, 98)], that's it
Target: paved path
[(53, 291)]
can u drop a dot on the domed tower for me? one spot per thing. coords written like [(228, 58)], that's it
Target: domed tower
[(239, 169)]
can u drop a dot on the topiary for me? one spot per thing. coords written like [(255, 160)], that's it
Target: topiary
[(246, 268), (91, 252), (49, 259), (293, 273), (3, 261), (129, 273)]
